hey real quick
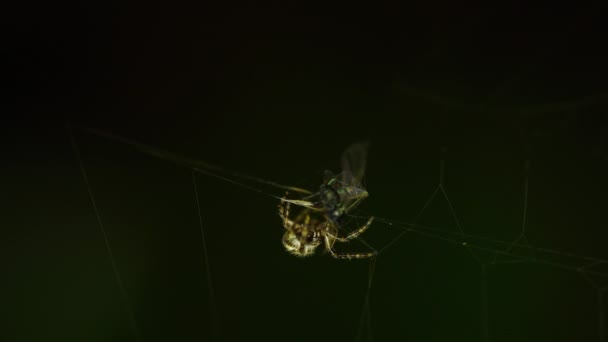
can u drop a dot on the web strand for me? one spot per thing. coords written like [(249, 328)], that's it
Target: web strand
[(477, 245), (365, 320), (485, 310), (480, 243), (469, 241), (575, 262), (601, 314), (200, 166), (213, 306), (522, 234), (123, 292)]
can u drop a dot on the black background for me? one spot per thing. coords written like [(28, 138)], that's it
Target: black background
[(279, 91)]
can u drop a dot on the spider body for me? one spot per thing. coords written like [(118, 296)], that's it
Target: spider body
[(302, 239), (310, 229)]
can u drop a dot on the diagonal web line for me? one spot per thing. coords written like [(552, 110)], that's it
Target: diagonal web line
[(106, 240)]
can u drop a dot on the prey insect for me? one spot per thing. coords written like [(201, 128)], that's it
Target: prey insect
[(323, 213)]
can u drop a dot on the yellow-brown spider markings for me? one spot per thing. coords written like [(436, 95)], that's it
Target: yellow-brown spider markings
[(310, 229)]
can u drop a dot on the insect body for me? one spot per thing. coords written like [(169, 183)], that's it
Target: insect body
[(338, 198)]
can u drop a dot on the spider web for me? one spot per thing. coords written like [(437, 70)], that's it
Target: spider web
[(500, 266)]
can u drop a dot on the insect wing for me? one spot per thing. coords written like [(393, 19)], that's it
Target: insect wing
[(354, 160)]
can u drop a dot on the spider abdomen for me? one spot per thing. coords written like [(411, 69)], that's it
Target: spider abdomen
[(300, 245)]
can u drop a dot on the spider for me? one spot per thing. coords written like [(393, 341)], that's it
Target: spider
[(306, 232)]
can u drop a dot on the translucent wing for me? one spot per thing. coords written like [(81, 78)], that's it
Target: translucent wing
[(354, 160)]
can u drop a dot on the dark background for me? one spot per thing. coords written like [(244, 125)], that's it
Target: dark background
[(279, 92)]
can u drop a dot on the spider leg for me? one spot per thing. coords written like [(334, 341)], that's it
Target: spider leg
[(354, 204), (284, 208), (355, 233), (348, 256)]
